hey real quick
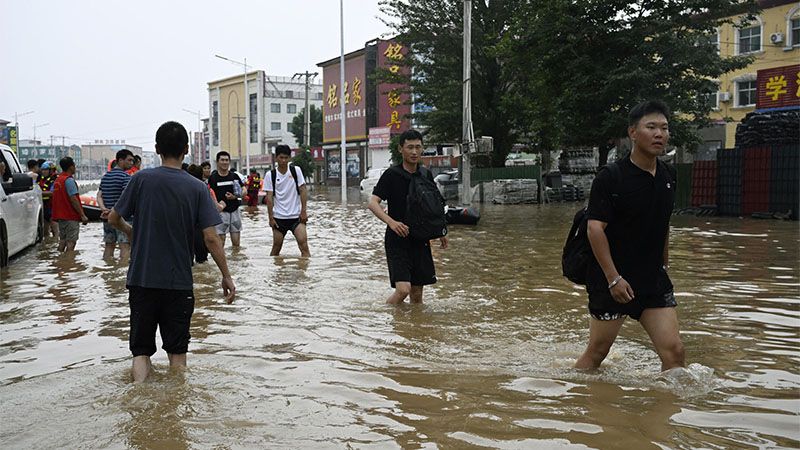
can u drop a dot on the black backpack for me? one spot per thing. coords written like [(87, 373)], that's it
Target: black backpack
[(274, 175), (577, 253), (425, 214)]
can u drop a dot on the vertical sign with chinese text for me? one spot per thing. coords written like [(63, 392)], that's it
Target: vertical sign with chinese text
[(393, 100)]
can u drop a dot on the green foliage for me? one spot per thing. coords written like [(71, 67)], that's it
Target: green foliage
[(394, 149), (304, 161), (554, 73), (298, 125)]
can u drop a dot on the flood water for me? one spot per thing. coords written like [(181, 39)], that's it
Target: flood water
[(309, 356)]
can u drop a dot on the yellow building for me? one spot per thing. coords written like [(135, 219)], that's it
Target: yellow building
[(229, 124), (773, 38)]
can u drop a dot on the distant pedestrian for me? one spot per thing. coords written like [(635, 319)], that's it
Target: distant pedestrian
[(287, 198), (168, 207), (137, 165), (33, 169), (67, 209), (200, 249), (253, 186), (46, 181), (111, 186), (629, 210), (227, 186), (206, 167), (410, 260)]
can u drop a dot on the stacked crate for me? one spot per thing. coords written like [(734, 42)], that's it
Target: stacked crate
[(756, 180), (783, 193), (704, 183), (729, 181)]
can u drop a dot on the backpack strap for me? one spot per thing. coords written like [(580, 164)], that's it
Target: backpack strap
[(293, 169), (274, 176)]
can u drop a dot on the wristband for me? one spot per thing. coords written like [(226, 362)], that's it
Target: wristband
[(614, 283)]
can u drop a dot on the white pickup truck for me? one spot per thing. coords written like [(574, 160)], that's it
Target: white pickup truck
[(21, 215)]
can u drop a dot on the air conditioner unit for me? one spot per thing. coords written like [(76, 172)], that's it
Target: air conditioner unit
[(724, 96), (776, 38)]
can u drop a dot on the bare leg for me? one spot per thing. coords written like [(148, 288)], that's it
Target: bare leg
[(277, 242), (109, 251), (124, 252), (70, 246), (53, 225), (416, 294), (401, 290), (142, 367), (222, 239), (235, 239), (662, 326), (177, 361), (602, 334), (301, 235), (62, 245)]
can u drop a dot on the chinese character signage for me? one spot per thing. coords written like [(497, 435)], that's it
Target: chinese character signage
[(393, 102), (778, 87), (8, 136), (354, 90)]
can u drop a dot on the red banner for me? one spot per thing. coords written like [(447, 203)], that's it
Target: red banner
[(355, 100), (393, 102), (778, 87)]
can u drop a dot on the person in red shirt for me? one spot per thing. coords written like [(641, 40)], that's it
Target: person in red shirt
[(47, 176), (67, 209), (253, 187), (137, 165)]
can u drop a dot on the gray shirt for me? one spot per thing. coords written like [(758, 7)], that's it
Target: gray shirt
[(168, 207)]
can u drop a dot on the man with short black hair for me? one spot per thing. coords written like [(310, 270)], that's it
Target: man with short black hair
[(227, 187), (33, 169), (410, 260), (162, 236), (629, 210), (67, 209), (111, 186), (286, 202), (206, 166)]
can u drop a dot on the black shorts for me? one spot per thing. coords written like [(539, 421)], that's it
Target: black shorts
[(411, 262), (169, 310), (287, 225), (604, 307)]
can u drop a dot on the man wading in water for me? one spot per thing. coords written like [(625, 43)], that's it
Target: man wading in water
[(410, 261), (628, 230), (167, 205)]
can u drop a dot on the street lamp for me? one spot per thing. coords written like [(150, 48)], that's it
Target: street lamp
[(17, 116), (246, 111), (199, 129), (343, 153), (35, 126)]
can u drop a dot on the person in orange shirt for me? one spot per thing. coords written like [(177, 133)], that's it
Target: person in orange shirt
[(137, 165)]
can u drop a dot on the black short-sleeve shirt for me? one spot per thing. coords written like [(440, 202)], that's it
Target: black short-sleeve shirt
[(392, 186), (221, 185), (637, 208)]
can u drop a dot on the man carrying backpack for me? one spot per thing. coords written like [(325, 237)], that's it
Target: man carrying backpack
[(628, 230), (286, 202), (412, 221)]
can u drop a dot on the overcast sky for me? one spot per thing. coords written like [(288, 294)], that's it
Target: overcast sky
[(109, 69)]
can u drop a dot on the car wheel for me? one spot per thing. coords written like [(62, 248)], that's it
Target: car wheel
[(40, 228), (3, 246)]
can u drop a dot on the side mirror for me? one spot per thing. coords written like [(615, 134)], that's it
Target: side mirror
[(19, 182)]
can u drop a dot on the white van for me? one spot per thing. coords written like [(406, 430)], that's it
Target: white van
[(21, 214)]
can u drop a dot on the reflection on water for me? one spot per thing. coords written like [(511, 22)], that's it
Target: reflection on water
[(310, 357)]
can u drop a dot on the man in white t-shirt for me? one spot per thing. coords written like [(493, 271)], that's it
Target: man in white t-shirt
[(286, 202)]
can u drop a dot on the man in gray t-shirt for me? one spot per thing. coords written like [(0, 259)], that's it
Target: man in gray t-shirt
[(168, 207)]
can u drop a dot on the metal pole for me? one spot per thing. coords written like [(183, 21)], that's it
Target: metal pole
[(246, 122), (468, 136), (343, 152), (307, 114)]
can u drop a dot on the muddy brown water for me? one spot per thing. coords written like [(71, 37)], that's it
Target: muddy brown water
[(310, 357)]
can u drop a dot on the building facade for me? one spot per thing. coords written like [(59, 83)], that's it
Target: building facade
[(35, 150), (96, 157), (272, 102), (773, 39)]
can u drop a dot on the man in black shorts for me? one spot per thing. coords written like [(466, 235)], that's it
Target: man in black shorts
[(629, 211), (410, 261), (162, 240), (287, 198)]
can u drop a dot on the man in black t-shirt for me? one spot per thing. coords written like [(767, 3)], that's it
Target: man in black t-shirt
[(410, 261), (227, 187), (629, 212)]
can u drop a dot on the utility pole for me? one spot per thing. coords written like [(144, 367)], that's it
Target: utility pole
[(306, 112), (343, 153), (239, 136), (467, 135), (35, 126)]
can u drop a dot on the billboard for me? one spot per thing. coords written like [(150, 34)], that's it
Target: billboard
[(379, 137), (394, 103), (8, 136), (778, 87), (354, 98)]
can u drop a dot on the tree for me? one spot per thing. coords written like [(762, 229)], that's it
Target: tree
[(433, 31), (305, 162), (581, 65), (299, 123)]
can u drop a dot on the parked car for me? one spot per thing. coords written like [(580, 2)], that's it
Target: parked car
[(21, 216), (447, 183), (369, 181)]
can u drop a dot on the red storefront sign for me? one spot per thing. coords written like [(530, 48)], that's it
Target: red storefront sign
[(393, 102), (379, 137), (355, 100), (317, 154), (778, 87)]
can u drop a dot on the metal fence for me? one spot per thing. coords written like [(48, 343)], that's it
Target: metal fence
[(532, 172)]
